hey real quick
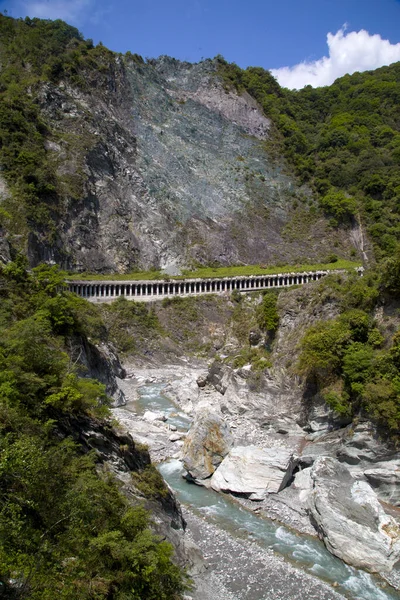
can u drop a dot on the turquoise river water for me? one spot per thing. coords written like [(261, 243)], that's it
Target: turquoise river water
[(305, 552)]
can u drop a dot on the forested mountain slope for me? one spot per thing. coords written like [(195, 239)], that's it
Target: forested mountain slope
[(344, 141), (66, 528)]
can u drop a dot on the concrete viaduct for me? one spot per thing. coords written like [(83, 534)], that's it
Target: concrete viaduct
[(151, 290)]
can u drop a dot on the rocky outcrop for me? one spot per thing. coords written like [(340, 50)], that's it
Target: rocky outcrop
[(254, 472), (100, 362), (159, 165), (111, 445), (207, 443), (385, 479), (361, 445), (350, 519), (5, 251)]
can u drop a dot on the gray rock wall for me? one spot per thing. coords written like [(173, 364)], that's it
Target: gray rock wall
[(160, 166)]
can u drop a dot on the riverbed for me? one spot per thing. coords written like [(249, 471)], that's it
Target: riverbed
[(250, 557)]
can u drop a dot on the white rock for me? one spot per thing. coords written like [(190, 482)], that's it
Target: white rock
[(303, 483), (151, 416), (350, 519), (254, 471)]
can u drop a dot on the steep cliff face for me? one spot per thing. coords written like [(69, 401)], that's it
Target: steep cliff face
[(159, 166)]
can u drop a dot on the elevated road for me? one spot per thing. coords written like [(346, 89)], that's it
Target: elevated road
[(151, 290)]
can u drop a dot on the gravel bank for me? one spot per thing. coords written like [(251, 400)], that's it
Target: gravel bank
[(241, 570)]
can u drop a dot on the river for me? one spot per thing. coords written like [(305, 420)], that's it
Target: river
[(222, 511)]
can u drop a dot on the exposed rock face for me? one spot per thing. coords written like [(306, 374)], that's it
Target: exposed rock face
[(385, 479), (168, 169), (254, 471), (220, 376), (362, 446), (110, 445), (350, 520), (102, 363), (207, 443)]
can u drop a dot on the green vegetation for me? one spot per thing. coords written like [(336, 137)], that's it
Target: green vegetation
[(34, 52), (353, 359), (342, 140), (128, 323), (267, 313), (214, 272), (258, 358), (150, 483), (65, 528)]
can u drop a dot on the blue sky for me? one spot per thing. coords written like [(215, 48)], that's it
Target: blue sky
[(273, 34)]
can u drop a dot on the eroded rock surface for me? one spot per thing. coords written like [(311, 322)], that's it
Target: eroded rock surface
[(350, 519), (207, 443), (254, 471)]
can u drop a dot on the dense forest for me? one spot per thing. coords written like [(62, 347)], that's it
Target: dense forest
[(66, 530)]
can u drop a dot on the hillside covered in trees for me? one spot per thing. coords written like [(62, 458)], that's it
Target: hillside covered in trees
[(343, 140), (66, 529)]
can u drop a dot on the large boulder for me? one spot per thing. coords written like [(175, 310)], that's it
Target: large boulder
[(207, 443), (349, 518), (254, 471), (220, 376)]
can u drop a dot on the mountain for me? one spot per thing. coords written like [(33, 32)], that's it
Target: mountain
[(113, 164)]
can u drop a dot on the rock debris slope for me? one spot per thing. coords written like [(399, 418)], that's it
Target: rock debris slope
[(161, 166)]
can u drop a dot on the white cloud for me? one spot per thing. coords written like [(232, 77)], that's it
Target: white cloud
[(72, 11), (348, 52)]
